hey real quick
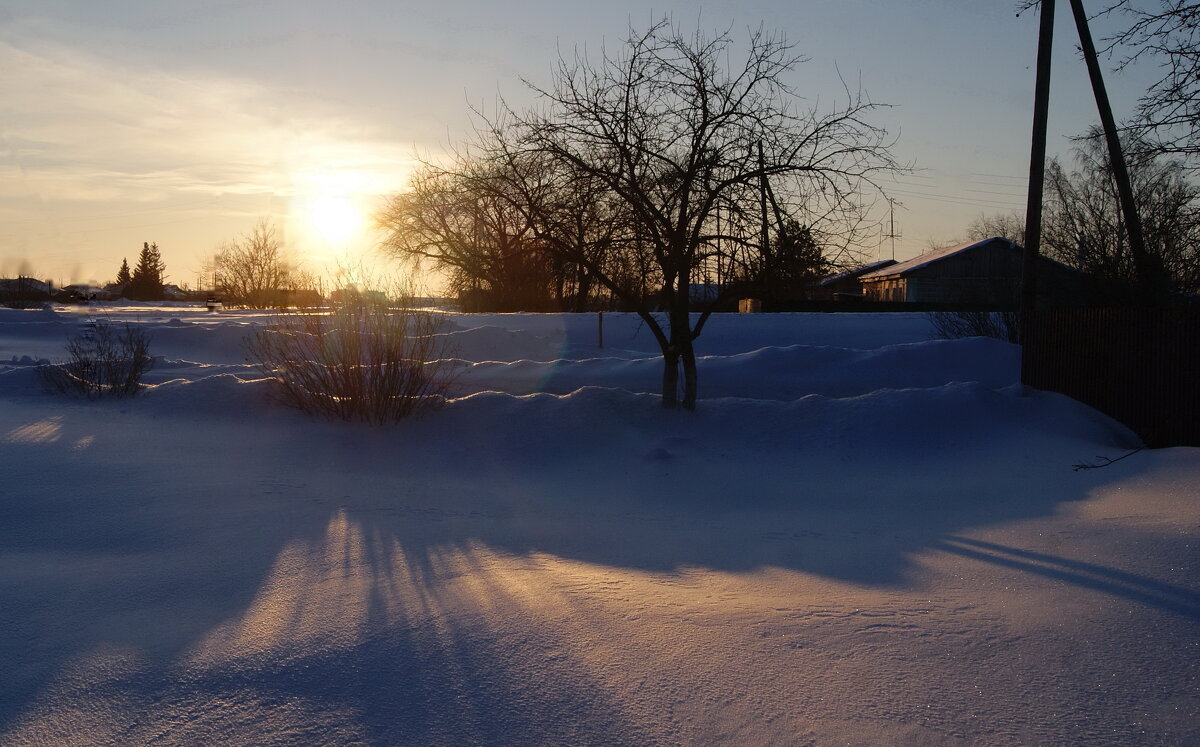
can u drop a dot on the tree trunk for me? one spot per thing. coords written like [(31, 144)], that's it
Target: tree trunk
[(584, 286), (670, 387), (680, 349), (688, 354)]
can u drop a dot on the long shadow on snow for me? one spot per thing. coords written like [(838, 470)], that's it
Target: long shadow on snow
[(1148, 591), (848, 489), (382, 603), (101, 548), (185, 576)]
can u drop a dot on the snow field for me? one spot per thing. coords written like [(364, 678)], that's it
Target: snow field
[(862, 536)]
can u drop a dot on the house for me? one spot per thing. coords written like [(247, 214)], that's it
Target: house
[(844, 285), (82, 292), (986, 272), (23, 291)]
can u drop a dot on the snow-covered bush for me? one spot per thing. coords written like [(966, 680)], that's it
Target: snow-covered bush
[(951, 325), (104, 359), (366, 360)]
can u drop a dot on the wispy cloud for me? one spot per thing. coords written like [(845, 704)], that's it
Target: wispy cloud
[(80, 128), (95, 154)]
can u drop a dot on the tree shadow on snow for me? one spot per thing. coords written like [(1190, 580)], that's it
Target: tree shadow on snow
[(408, 612), (195, 604), (1141, 589)]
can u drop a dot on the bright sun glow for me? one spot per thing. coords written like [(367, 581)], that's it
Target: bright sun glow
[(335, 218)]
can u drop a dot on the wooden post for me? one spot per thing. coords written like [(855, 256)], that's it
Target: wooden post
[(1037, 169), (600, 329), (1149, 286)]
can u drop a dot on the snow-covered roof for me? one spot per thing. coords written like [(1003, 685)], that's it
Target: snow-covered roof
[(928, 258), (24, 284), (856, 272)]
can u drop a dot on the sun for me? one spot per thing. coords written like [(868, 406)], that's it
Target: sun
[(335, 218)]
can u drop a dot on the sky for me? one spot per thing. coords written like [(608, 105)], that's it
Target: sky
[(183, 123)]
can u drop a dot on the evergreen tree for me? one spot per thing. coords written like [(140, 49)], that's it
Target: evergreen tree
[(123, 276), (146, 283)]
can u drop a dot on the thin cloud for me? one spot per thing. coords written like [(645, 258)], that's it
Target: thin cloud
[(81, 128)]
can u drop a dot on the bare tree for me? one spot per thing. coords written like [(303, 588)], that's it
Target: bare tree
[(1084, 226), (579, 223), (1167, 32), (677, 133), (460, 218), (254, 271), (1009, 226)]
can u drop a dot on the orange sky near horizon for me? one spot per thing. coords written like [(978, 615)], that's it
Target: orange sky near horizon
[(184, 124)]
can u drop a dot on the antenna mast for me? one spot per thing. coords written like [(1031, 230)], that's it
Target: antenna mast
[(891, 234)]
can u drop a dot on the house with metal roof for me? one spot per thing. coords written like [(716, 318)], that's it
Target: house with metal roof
[(986, 272)]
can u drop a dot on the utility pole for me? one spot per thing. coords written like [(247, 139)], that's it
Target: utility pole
[(1149, 280), (1037, 169)]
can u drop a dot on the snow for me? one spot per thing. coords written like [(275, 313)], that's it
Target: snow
[(864, 535)]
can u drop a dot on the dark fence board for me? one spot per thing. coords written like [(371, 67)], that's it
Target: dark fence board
[(1139, 366)]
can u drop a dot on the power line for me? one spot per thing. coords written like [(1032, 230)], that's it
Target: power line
[(957, 200), (990, 192), (1001, 176)]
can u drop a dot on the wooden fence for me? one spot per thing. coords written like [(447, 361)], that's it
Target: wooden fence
[(1139, 366)]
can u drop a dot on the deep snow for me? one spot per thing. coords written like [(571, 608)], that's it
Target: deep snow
[(863, 536)]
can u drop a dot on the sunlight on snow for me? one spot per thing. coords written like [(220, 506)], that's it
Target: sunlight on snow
[(42, 432), (321, 596), (330, 595)]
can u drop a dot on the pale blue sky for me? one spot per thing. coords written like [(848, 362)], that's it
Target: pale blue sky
[(181, 122)]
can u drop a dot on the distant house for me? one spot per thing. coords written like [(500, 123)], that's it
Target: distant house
[(23, 291), (844, 285), (25, 285), (78, 292), (986, 272)]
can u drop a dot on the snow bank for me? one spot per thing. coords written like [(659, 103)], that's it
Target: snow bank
[(777, 373), (862, 535)]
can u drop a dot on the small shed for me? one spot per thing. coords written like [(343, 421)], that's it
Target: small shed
[(986, 272)]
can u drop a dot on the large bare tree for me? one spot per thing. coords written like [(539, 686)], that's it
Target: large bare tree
[(679, 134)]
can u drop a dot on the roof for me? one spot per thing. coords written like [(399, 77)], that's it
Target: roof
[(24, 284), (928, 258), (848, 274)]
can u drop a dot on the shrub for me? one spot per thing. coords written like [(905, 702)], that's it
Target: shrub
[(105, 359), (950, 325), (366, 360)]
